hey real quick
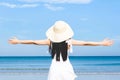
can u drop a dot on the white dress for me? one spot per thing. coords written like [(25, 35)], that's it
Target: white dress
[(61, 70)]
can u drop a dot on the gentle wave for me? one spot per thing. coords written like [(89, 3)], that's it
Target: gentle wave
[(23, 68), (106, 64)]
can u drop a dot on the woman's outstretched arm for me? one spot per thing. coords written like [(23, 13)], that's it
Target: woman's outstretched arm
[(36, 42), (105, 42)]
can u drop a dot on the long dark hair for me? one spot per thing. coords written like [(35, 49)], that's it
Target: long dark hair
[(59, 49)]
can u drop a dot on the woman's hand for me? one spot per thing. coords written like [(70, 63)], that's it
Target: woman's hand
[(107, 42), (14, 41)]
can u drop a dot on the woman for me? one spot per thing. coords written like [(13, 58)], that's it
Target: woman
[(59, 39)]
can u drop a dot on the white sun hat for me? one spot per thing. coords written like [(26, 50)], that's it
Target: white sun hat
[(59, 32)]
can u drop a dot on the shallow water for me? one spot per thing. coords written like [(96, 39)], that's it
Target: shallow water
[(36, 68)]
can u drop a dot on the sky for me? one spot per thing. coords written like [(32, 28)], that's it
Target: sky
[(91, 20)]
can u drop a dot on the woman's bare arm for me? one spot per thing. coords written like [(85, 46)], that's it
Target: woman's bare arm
[(105, 42), (36, 42)]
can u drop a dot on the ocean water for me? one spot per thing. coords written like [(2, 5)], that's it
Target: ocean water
[(37, 67)]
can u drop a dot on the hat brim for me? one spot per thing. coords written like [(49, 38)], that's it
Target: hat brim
[(59, 37)]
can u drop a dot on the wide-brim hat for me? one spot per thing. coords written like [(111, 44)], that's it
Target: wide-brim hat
[(59, 32)]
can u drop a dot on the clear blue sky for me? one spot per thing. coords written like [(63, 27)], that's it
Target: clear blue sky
[(91, 20)]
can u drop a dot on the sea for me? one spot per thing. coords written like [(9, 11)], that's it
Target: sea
[(37, 67)]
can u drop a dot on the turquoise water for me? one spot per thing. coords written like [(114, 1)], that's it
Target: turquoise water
[(37, 67), (42, 63)]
